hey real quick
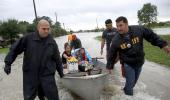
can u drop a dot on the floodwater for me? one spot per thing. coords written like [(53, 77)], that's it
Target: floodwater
[(162, 31), (152, 85)]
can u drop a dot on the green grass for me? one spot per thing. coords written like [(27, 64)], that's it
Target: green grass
[(157, 55), (98, 38), (153, 53), (4, 50)]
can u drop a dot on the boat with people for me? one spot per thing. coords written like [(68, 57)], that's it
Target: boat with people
[(83, 74), (87, 85)]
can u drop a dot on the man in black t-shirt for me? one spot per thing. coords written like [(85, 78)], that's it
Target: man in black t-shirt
[(107, 36)]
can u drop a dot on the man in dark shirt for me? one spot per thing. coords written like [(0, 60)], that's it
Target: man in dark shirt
[(40, 62), (107, 36), (129, 44)]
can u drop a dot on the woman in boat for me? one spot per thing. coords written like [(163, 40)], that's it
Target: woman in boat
[(83, 58), (66, 54)]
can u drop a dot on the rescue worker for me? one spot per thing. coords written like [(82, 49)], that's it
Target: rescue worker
[(40, 62), (129, 44), (107, 36)]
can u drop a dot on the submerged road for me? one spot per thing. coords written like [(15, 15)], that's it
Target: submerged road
[(154, 82)]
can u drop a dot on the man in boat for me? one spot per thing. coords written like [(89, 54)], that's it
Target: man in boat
[(75, 43), (107, 36), (40, 62), (129, 43)]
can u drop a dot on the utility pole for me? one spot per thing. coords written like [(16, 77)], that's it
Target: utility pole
[(97, 24), (35, 11), (56, 16)]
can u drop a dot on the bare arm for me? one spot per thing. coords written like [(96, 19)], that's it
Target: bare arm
[(102, 46), (65, 56)]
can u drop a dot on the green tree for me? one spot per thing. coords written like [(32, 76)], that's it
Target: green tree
[(58, 24), (23, 25), (31, 27), (10, 29), (59, 30), (147, 15)]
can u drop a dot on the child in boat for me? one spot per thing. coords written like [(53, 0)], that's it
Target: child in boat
[(84, 59), (66, 55)]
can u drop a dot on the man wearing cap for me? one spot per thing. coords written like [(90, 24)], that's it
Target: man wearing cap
[(40, 62)]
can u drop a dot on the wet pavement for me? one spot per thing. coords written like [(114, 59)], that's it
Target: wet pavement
[(152, 85)]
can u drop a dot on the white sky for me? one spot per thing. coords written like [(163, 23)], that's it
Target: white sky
[(81, 14)]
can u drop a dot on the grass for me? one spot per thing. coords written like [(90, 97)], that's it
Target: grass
[(98, 38), (4, 50), (153, 53), (157, 55)]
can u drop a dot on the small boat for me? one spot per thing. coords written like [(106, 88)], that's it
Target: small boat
[(88, 87)]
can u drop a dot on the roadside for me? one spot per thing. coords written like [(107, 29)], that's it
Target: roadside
[(4, 50)]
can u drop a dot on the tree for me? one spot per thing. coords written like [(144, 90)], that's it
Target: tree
[(23, 25), (10, 30), (147, 15), (58, 24), (31, 27), (57, 30)]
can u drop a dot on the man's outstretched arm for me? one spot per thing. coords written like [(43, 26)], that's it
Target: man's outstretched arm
[(16, 49), (155, 40)]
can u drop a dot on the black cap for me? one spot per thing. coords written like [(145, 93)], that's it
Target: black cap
[(108, 21)]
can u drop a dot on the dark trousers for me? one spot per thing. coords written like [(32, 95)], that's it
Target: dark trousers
[(41, 94), (131, 74), (48, 88)]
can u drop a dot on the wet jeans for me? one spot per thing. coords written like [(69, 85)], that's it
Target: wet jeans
[(131, 74)]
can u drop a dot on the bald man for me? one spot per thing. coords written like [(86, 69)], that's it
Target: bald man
[(40, 62)]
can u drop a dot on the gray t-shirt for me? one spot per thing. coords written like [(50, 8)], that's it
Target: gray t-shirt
[(108, 36)]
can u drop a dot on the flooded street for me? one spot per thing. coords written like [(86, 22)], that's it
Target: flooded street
[(152, 85)]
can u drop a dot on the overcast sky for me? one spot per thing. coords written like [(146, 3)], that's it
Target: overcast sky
[(80, 14)]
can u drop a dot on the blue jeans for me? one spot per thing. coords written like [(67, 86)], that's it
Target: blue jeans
[(131, 74)]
